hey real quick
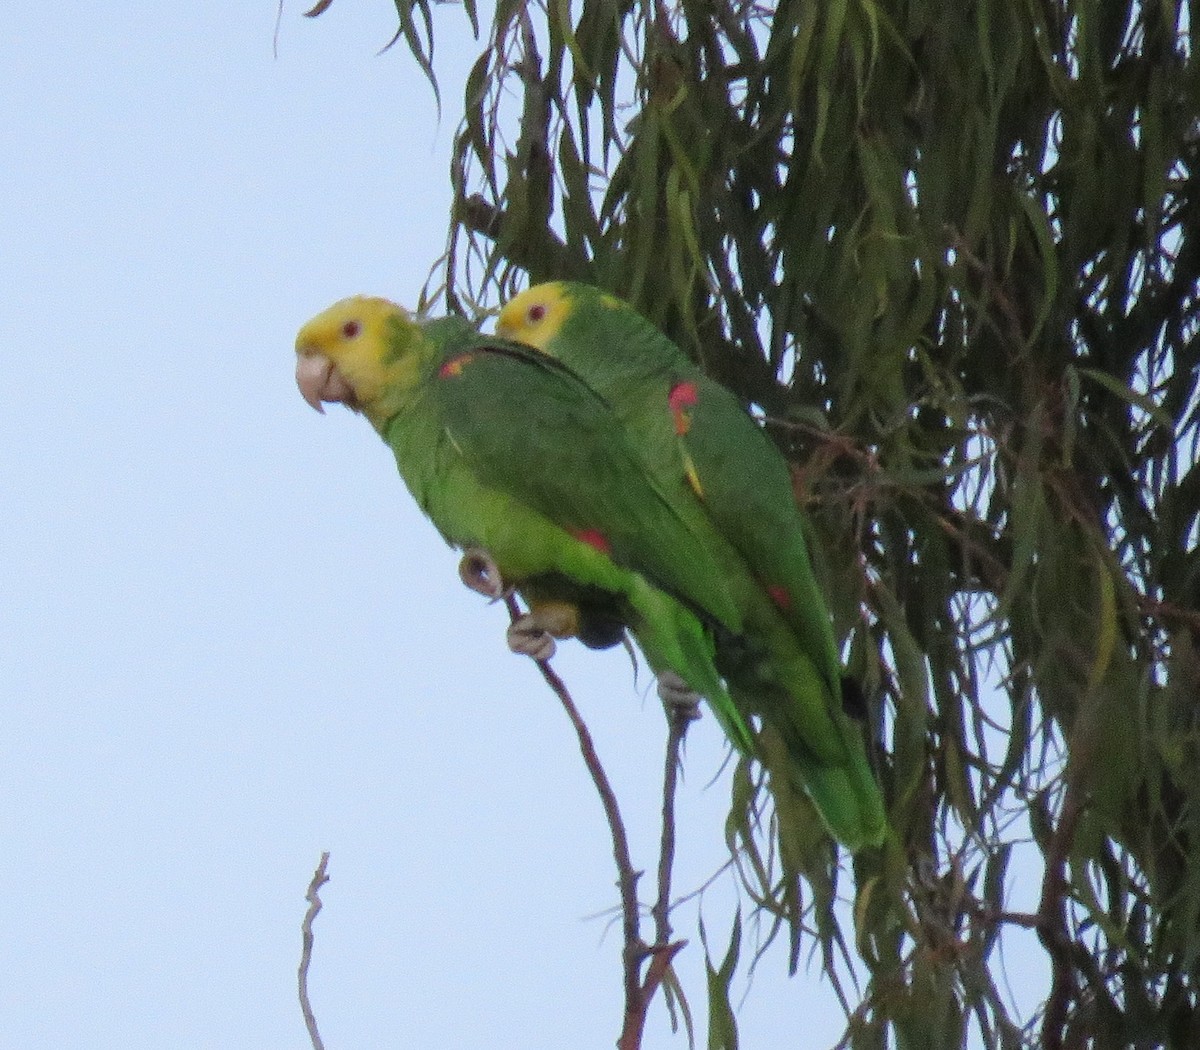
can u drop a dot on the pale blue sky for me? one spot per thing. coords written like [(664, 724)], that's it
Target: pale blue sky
[(228, 640)]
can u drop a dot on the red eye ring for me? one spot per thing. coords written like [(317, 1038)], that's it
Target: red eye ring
[(536, 313), (351, 329)]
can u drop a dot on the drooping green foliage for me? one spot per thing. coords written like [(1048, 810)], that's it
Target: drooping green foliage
[(951, 250)]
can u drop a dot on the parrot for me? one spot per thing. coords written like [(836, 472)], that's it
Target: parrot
[(520, 464), (706, 451)]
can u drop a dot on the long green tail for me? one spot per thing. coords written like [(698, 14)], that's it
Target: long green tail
[(825, 750), (673, 639)]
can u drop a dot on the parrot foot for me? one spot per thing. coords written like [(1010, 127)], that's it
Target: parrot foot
[(533, 634), (674, 692), (479, 572), (527, 637)]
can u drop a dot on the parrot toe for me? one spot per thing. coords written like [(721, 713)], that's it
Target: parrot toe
[(479, 572), (678, 696), (528, 636), (533, 634)]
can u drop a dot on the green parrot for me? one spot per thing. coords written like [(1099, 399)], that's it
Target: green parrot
[(706, 452), (508, 452)]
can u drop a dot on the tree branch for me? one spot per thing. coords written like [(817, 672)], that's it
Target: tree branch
[(638, 992), (663, 951), (545, 257), (1066, 956), (627, 877), (306, 928), (678, 720)]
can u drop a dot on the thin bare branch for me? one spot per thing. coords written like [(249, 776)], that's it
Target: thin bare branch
[(678, 719), (627, 877), (639, 993), (306, 928)]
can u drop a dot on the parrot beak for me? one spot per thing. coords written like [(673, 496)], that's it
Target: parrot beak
[(319, 380)]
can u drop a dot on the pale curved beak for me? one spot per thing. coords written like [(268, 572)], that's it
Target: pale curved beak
[(320, 381)]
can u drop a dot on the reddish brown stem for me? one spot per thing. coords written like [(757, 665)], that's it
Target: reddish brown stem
[(626, 876), (638, 992)]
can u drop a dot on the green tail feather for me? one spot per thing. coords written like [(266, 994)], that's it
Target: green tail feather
[(848, 800), (844, 790), (673, 639), (846, 797)]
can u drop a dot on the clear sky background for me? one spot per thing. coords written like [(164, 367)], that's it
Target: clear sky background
[(228, 639)]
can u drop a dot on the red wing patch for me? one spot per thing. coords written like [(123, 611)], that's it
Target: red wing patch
[(681, 396), (454, 367), (594, 538), (780, 596)]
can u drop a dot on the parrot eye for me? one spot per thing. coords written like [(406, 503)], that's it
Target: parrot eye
[(350, 329), (536, 313)]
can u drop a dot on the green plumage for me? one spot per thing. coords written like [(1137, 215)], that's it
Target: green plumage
[(509, 451), (714, 462)]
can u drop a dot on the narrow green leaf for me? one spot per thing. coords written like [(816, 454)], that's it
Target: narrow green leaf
[(1132, 397), (722, 1023)]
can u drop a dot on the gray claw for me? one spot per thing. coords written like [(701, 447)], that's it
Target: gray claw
[(479, 572), (527, 637), (677, 695)]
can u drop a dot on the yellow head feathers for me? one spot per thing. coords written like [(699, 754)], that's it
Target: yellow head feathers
[(535, 316), (353, 353)]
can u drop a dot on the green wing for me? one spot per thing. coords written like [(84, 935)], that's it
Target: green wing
[(747, 491), (528, 426), (459, 422), (689, 426), (706, 450)]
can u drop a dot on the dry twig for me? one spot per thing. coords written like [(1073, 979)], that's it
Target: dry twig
[(314, 905), (638, 992)]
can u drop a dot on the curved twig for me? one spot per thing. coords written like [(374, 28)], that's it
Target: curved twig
[(306, 928), (638, 992)]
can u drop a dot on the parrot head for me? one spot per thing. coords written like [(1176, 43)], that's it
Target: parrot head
[(536, 316), (354, 352)]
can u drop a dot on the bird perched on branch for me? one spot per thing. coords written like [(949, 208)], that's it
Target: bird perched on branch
[(521, 465), (712, 460)]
